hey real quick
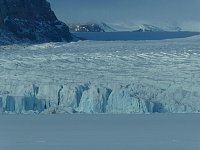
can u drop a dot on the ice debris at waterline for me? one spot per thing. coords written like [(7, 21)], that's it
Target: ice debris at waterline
[(101, 77)]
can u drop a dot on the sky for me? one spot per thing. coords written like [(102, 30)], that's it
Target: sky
[(124, 13)]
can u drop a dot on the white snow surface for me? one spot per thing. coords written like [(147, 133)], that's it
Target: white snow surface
[(106, 27), (100, 132), (101, 77)]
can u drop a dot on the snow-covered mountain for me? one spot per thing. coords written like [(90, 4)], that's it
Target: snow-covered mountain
[(103, 27), (90, 27), (106, 27), (152, 28), (31, 20), (146, 27)]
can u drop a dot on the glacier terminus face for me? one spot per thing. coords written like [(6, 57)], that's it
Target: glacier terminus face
[(101, 77)]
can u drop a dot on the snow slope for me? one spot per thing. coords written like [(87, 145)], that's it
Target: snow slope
[(106, 27), (101, 77)]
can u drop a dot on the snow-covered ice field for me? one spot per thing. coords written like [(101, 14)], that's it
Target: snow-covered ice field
[(100, 132), (101, 77)]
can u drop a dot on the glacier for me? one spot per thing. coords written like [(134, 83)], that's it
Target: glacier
[(101, 77)]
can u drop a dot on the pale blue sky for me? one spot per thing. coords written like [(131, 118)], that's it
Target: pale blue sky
[(180, 12)]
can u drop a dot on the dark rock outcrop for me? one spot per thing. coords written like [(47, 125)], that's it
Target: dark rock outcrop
[(33, 20), (85, 28)]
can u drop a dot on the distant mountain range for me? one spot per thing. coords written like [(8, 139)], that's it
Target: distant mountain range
[(103, 27), (90, 27), (151, 28)]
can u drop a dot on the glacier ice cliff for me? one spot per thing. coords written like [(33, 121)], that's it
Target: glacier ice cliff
[(89, 98)]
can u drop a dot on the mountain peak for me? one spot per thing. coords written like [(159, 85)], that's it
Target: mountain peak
[(39, 10)]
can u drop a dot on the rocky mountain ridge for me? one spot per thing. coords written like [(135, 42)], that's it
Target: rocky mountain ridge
[(31, 20)]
